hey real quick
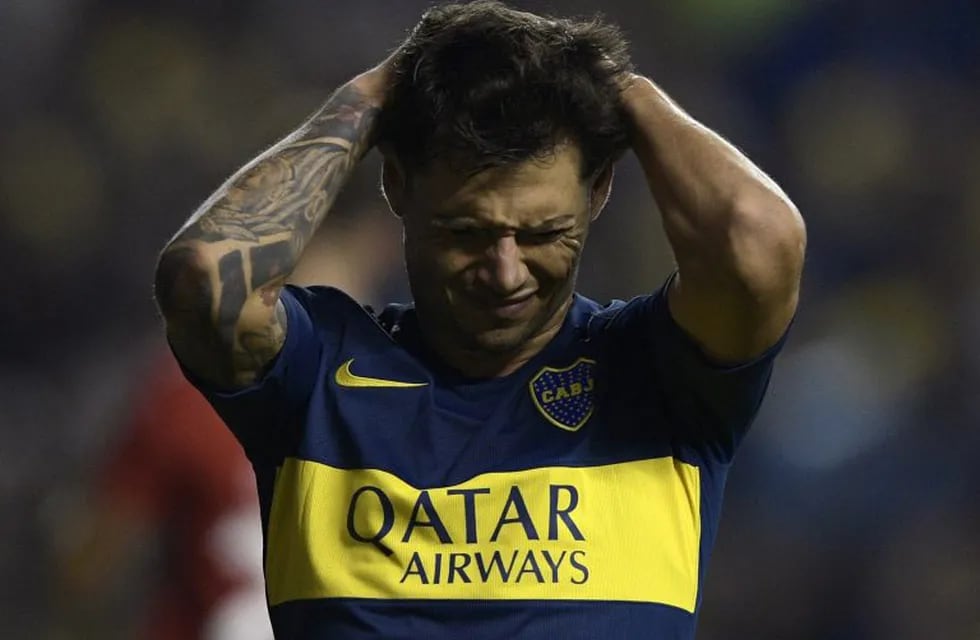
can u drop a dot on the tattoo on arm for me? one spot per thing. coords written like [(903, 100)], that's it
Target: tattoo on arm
[(268, 260), (256, 227), (231, 275)]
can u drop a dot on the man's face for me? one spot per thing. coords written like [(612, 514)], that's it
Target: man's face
[(492, 257)]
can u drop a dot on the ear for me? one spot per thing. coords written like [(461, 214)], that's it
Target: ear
[(393, 184), (600, 189)]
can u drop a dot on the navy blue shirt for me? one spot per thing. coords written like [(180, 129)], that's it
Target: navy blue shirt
[(577, 497)]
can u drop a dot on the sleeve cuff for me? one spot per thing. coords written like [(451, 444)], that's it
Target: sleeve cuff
[(666, 325)]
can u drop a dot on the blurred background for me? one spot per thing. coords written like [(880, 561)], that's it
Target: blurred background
[(853, 510)]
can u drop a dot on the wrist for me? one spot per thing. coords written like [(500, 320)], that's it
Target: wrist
[(633, 96), (649, 110), (637, 92), (375, 83)]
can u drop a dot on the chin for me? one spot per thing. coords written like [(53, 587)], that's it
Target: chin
[(500, 341)]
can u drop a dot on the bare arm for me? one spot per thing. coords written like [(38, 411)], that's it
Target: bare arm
[(218, 280), (737, 238)]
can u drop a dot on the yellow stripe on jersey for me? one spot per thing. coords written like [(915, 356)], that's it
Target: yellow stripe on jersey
[(628, 531)]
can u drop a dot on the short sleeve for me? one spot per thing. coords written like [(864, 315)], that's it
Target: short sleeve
[(266, 416), (707, 405)]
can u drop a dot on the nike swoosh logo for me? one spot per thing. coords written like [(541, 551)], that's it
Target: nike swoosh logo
[(347, 378)]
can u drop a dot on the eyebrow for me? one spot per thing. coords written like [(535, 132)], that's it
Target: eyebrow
[(449, 221)]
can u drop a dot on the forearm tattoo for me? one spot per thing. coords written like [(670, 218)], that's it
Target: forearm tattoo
[(257, 225)]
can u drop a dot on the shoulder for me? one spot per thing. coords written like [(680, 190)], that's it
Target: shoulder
[(335, 320), (322, 300), (327, 308), (623, 319)]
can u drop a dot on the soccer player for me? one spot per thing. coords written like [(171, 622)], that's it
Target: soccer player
[(503, 458)]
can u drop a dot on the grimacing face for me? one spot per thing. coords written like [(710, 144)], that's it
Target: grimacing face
[(492, 257)]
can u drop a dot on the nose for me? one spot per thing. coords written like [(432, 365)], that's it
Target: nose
[(503, 271)]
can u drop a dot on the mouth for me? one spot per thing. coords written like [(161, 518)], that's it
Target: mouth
[(510, 308)]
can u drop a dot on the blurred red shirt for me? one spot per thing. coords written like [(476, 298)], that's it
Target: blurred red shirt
[(179, 472)]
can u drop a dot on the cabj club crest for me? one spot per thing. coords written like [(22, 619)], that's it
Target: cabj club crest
[(565, 396)]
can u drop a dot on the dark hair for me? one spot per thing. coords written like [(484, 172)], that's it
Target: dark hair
[(487, 86)]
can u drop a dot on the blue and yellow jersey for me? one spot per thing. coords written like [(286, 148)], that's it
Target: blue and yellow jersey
[(577, 497)]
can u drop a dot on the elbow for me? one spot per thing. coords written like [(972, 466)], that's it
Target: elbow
[(772, 218), (767, 242), (182, 284), (781, 226), (758, 218)]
